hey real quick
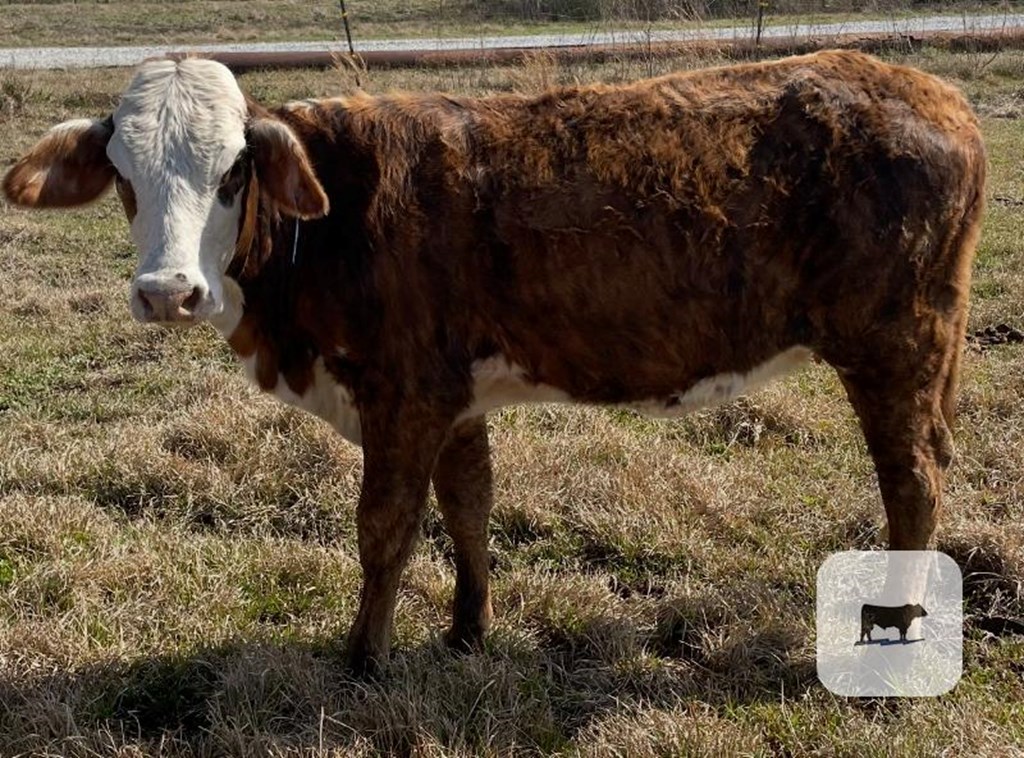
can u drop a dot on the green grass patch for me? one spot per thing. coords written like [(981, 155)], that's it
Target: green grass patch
[(7, 573)]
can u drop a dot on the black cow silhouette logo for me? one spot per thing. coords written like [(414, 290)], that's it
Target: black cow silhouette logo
[(885, 616)]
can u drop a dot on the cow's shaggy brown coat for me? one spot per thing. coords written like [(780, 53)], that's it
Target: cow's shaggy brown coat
[(619, 244)]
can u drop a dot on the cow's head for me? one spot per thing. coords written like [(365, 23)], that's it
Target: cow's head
[(182, 147)]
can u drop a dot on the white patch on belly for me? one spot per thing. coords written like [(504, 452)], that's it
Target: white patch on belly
[(325, 397), (497, 383), (721, 388)]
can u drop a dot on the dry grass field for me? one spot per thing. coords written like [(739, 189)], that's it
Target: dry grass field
[(138, 22), (127, 22), (177, 553)]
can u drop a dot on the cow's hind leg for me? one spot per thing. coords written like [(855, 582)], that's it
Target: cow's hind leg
[(905, 401), (463, 484)]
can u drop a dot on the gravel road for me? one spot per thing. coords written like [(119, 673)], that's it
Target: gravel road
[(97, 57)]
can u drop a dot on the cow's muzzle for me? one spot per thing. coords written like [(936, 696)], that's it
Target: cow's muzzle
[(169, 300)]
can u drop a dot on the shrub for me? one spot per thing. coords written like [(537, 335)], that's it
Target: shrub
[(542, 10)]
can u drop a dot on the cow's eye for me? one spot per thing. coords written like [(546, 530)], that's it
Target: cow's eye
[(126, 193), (232, 181)]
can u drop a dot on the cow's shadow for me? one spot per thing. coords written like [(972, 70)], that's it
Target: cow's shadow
[(887, 642), (296, 692)]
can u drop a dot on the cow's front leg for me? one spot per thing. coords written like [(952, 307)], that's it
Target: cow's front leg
[(462, 483), (398, 456)]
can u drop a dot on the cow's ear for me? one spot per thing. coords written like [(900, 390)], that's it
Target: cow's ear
[(67, 167), (284, 170)]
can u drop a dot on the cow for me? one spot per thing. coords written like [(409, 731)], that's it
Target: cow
[(399, 265), (884, 617)]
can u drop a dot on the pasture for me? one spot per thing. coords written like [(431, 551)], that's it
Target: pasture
[(127, 22), (134, 22), (178, 559)]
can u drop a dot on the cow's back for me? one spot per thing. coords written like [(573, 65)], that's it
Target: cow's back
[(684, 227)]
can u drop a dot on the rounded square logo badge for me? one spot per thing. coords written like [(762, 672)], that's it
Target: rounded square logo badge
[(889, 623)]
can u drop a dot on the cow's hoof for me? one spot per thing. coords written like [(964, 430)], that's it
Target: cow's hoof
[(361, 664), (465, 640)]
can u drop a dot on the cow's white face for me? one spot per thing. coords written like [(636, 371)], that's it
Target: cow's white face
[(180, 146)]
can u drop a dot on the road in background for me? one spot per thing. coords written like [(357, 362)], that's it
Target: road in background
[(96, 57)]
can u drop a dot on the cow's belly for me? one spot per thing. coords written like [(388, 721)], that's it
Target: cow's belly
[(722, 388), (498, 383), (325, 397)]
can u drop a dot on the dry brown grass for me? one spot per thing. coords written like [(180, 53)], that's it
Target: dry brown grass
[(126, 22), (177, 552), (185, 22), (135, 22)]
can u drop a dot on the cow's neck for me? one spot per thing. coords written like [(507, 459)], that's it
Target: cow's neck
[(264, 284), (288, 315)]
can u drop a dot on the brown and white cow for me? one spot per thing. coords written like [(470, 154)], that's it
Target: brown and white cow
[(400, 265)]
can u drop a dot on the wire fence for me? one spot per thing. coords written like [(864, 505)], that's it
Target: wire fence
[(462, 12), (97, 22), (736, 20)]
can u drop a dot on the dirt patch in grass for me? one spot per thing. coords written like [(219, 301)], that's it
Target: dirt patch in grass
[(997, 334)]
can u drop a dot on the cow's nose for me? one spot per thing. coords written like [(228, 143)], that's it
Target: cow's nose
[(170, 304)]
